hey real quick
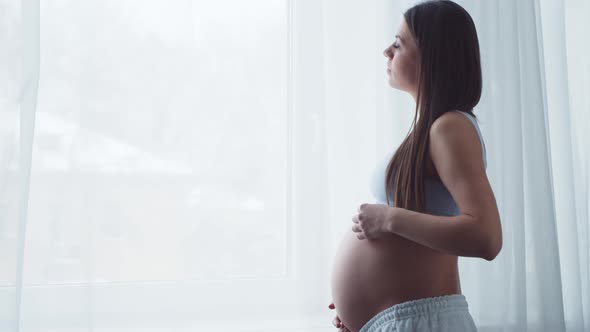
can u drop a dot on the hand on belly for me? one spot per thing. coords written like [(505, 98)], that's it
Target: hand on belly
[(337, 322)]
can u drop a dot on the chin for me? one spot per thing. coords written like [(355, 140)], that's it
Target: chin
[(394, 84)]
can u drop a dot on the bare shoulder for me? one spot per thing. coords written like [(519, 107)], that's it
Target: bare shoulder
[(456, 127), (455, 145), (452, 121)]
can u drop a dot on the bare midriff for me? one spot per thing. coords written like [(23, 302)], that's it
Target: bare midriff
[(369, 276)]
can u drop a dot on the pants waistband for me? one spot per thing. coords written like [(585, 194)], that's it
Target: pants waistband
[(437, 304)]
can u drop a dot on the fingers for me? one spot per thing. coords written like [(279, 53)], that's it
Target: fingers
[(337, 322), (356, 228)]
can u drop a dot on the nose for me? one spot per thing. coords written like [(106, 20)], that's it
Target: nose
[(387, 52)]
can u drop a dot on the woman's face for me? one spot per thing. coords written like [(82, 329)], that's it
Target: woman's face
[(402, 61)]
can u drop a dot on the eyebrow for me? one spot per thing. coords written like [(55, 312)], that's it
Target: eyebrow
[(400, 38)]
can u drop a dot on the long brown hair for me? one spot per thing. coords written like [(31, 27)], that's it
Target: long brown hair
[(449, 78)]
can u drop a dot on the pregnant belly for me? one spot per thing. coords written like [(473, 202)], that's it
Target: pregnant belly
[(370, 276)]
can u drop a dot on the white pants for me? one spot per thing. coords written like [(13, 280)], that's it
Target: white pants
[(447, 313)]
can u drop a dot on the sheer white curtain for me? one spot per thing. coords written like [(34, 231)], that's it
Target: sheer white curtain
[(192, 165)]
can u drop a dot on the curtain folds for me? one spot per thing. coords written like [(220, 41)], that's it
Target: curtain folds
[(194, 165)]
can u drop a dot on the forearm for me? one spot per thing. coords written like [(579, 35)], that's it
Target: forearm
[(457, 235)]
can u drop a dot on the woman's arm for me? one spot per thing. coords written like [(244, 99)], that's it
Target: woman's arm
[(456, 153), (460, 235)]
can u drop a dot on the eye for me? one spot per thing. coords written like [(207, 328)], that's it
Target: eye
[(395, 46)]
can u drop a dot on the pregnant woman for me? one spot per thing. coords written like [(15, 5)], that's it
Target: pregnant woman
[(397, 268)]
